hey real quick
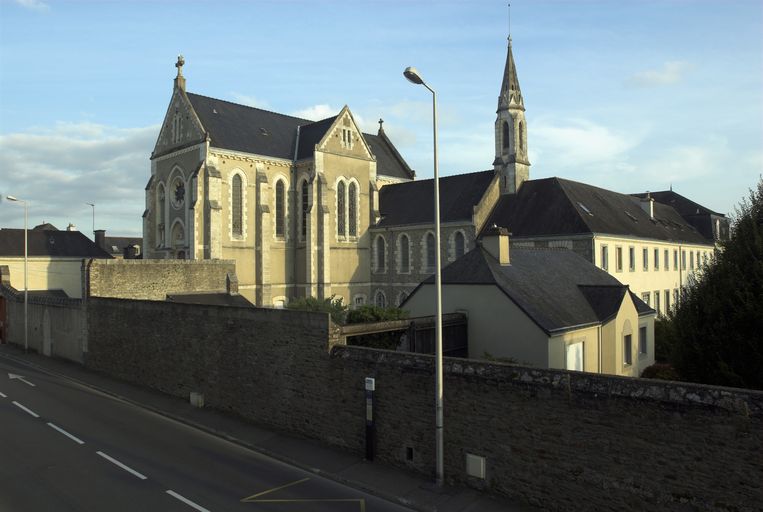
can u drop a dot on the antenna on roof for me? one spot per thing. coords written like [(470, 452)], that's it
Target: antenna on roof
[(671, 187)]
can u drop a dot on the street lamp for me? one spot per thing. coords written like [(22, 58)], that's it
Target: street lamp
[(26, 259), (93, 207), (413, 76)]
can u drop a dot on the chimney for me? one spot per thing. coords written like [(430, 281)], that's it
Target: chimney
[(100, 239), (495, 240), (231, 284), (647, 204), (71, 227)]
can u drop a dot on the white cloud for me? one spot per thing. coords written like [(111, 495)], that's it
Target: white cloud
[(316, 112), (249, 101), (59, 169), (671, 72), (34, 5)]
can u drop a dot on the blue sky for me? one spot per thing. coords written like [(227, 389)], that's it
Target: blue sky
[(631, 96)]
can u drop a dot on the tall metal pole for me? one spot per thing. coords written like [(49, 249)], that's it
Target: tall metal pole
[(26, 283), (412, 75), (93, 207)]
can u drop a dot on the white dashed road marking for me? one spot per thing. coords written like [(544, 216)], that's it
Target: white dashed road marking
[(187, 501), (126, 468), (3, 395), (29, 411), (67, 434)]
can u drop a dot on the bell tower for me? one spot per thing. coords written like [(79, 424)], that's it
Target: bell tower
[(511, 162)]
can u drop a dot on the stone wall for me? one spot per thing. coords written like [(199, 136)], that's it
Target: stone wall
[(154, 279), (560, 440), (55, 325)]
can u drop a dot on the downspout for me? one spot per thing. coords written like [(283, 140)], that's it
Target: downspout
[(294, 216), (598, 335)]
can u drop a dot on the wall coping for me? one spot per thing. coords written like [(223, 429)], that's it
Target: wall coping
[(740, 401)]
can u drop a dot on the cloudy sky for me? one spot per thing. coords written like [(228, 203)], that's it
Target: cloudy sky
[(631, 96)]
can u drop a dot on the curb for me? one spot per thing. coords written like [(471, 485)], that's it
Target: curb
[(227, 437)]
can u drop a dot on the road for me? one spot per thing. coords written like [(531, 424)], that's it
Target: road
[(66, 447)]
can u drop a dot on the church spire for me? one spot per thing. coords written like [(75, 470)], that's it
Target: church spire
[(511, 161), (511, 94)]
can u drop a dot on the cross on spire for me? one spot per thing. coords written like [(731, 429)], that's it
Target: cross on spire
[(180, 79), (179, 64)]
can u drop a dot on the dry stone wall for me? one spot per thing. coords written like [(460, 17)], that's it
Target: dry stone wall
[(560, 440)]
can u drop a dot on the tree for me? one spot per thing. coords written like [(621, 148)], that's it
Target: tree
[(717, 327), (333, 306)]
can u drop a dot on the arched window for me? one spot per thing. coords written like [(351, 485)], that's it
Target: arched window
[(380, 300), (506, 136), (353, 206), (404, 251), (280, 210), (341, 209), (305, 204), (459, 244), (236, 215), (430, 251), (521, 136), (161, 211), (401, 298), (380, 253)]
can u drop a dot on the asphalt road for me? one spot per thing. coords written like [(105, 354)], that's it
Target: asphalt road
[(65, 447)]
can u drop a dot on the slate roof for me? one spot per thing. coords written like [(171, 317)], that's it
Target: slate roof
[(683, 205), (261, 132), (412, 202), (64, 244), (210, 299), (556, 288), (555, 206), (117, 244)]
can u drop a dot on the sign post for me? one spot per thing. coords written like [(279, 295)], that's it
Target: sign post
[(370, 388)]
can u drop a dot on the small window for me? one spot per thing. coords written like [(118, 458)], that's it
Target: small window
[(359, 300), (521, 136), (401, 298), (459, 244), (619, 259), (604, 257), (404, 252), (627, 347), (645, 255), (280, 194), (657, 259), (666, 259), (430, 248), (667, 301), (657, 301), (642, 346), (506, 136), (683, 260), (675, 259), (380, 300), (691, 260), (380, 254), (631, 259), (645, 298)]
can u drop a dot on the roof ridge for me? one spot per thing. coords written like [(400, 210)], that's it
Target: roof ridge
[(441, 178), (252, 108)]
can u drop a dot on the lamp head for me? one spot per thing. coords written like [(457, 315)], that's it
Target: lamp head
[(412, 74), (11, 198)]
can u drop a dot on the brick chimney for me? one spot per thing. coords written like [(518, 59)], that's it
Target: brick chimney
[(495, 240)]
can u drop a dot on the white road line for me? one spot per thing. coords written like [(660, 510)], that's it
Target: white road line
[(3, 395), (187, 501), (67, 434), (25, 409), (126, 468)]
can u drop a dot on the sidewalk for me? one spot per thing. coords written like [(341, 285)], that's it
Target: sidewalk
[(385, 481)]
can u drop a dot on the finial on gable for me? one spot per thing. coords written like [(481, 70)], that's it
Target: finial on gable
[(180, 79), (381, 128)]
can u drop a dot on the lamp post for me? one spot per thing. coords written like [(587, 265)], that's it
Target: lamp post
[(92, 205), (26, 259), (413, 76)]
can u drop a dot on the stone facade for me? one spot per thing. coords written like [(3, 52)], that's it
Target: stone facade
[(559, 440)]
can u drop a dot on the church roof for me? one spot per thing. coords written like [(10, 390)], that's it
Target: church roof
[(247, 129), (556, 288), (412, 202), (555, 206), (261, 132), (511, 94), (65, 244)]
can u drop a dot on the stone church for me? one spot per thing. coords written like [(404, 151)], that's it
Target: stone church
[(320, 208)]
